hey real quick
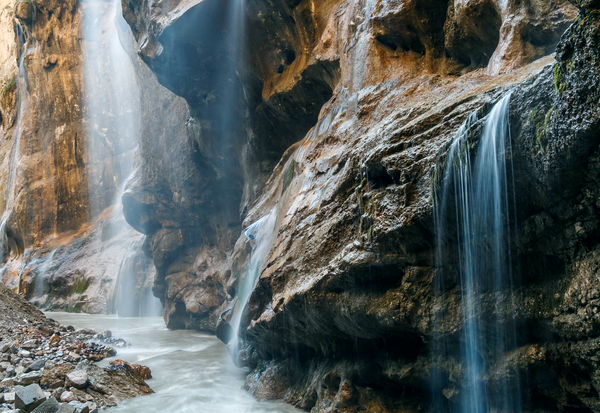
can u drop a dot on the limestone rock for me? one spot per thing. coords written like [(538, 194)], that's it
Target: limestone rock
[(49, 406), (28, 378), (66, 408), (349, 268), (68, 397), (142, 371), (77, 379), (36, 365), (79, 407), (24, 11), (28, 398)]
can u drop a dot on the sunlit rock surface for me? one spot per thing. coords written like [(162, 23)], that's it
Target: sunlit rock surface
[(65, 243)]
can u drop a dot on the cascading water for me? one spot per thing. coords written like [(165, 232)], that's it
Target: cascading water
[(8, 243), (260, 235), (114, 115), (112, 102), (473, 205)]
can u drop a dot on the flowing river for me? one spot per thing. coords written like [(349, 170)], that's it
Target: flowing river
[(191, 371)]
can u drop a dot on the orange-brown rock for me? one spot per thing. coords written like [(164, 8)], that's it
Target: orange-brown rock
[(142, 371), (64, 241)]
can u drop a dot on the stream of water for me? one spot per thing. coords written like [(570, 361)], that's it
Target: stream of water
[(473, 202), (192, 371)]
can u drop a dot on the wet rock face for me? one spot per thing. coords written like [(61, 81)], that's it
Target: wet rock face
[(64, 164), (342, 314)]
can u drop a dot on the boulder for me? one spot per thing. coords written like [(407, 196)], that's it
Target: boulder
[(8, 382), (67, 397), (74, 356), (29, 344), (142, 371), (28, 378), (57, 384), (28, 398), (105, 334), (25, 353), (77, 379), (79, 407), (36, 365), (49, 406)]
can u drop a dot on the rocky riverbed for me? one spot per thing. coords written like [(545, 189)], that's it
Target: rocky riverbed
[(48, 367)]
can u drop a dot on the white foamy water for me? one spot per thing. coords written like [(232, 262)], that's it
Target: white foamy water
[(192, 371)]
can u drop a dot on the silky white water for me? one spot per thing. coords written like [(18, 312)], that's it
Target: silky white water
[(191, 371), (473, 203)]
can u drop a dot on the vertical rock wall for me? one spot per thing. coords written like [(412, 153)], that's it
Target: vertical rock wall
[(341, 317), (65, 242)]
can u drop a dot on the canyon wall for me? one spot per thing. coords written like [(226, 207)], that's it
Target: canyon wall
[(65, 243), (294, 147), (329, 173)]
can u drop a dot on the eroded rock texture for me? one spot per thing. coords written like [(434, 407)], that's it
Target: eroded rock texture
[(339, 113), (65, 243)]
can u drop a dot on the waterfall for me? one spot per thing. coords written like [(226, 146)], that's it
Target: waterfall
[(473, 204), (260, 236), (9, 240), (112, 101), (114, 118)]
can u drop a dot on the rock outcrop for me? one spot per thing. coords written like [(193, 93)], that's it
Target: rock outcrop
[(68, 139), (342, 313)]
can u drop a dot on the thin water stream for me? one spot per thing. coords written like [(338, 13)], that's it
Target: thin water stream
[(474, 203), (192, 371)]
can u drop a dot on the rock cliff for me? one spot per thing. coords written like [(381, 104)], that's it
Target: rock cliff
[(68, 141), (290, 155), (343, 309)]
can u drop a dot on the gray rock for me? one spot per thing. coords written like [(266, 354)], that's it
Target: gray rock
[(80, 407), (105, 334), (4, 348), (68, 396), (49, 406), (28, 378), (28, 398), (29, 344), (77, 379), (66, 408), (36, 365)]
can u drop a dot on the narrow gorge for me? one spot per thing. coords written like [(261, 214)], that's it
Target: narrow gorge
[(375, 205)]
